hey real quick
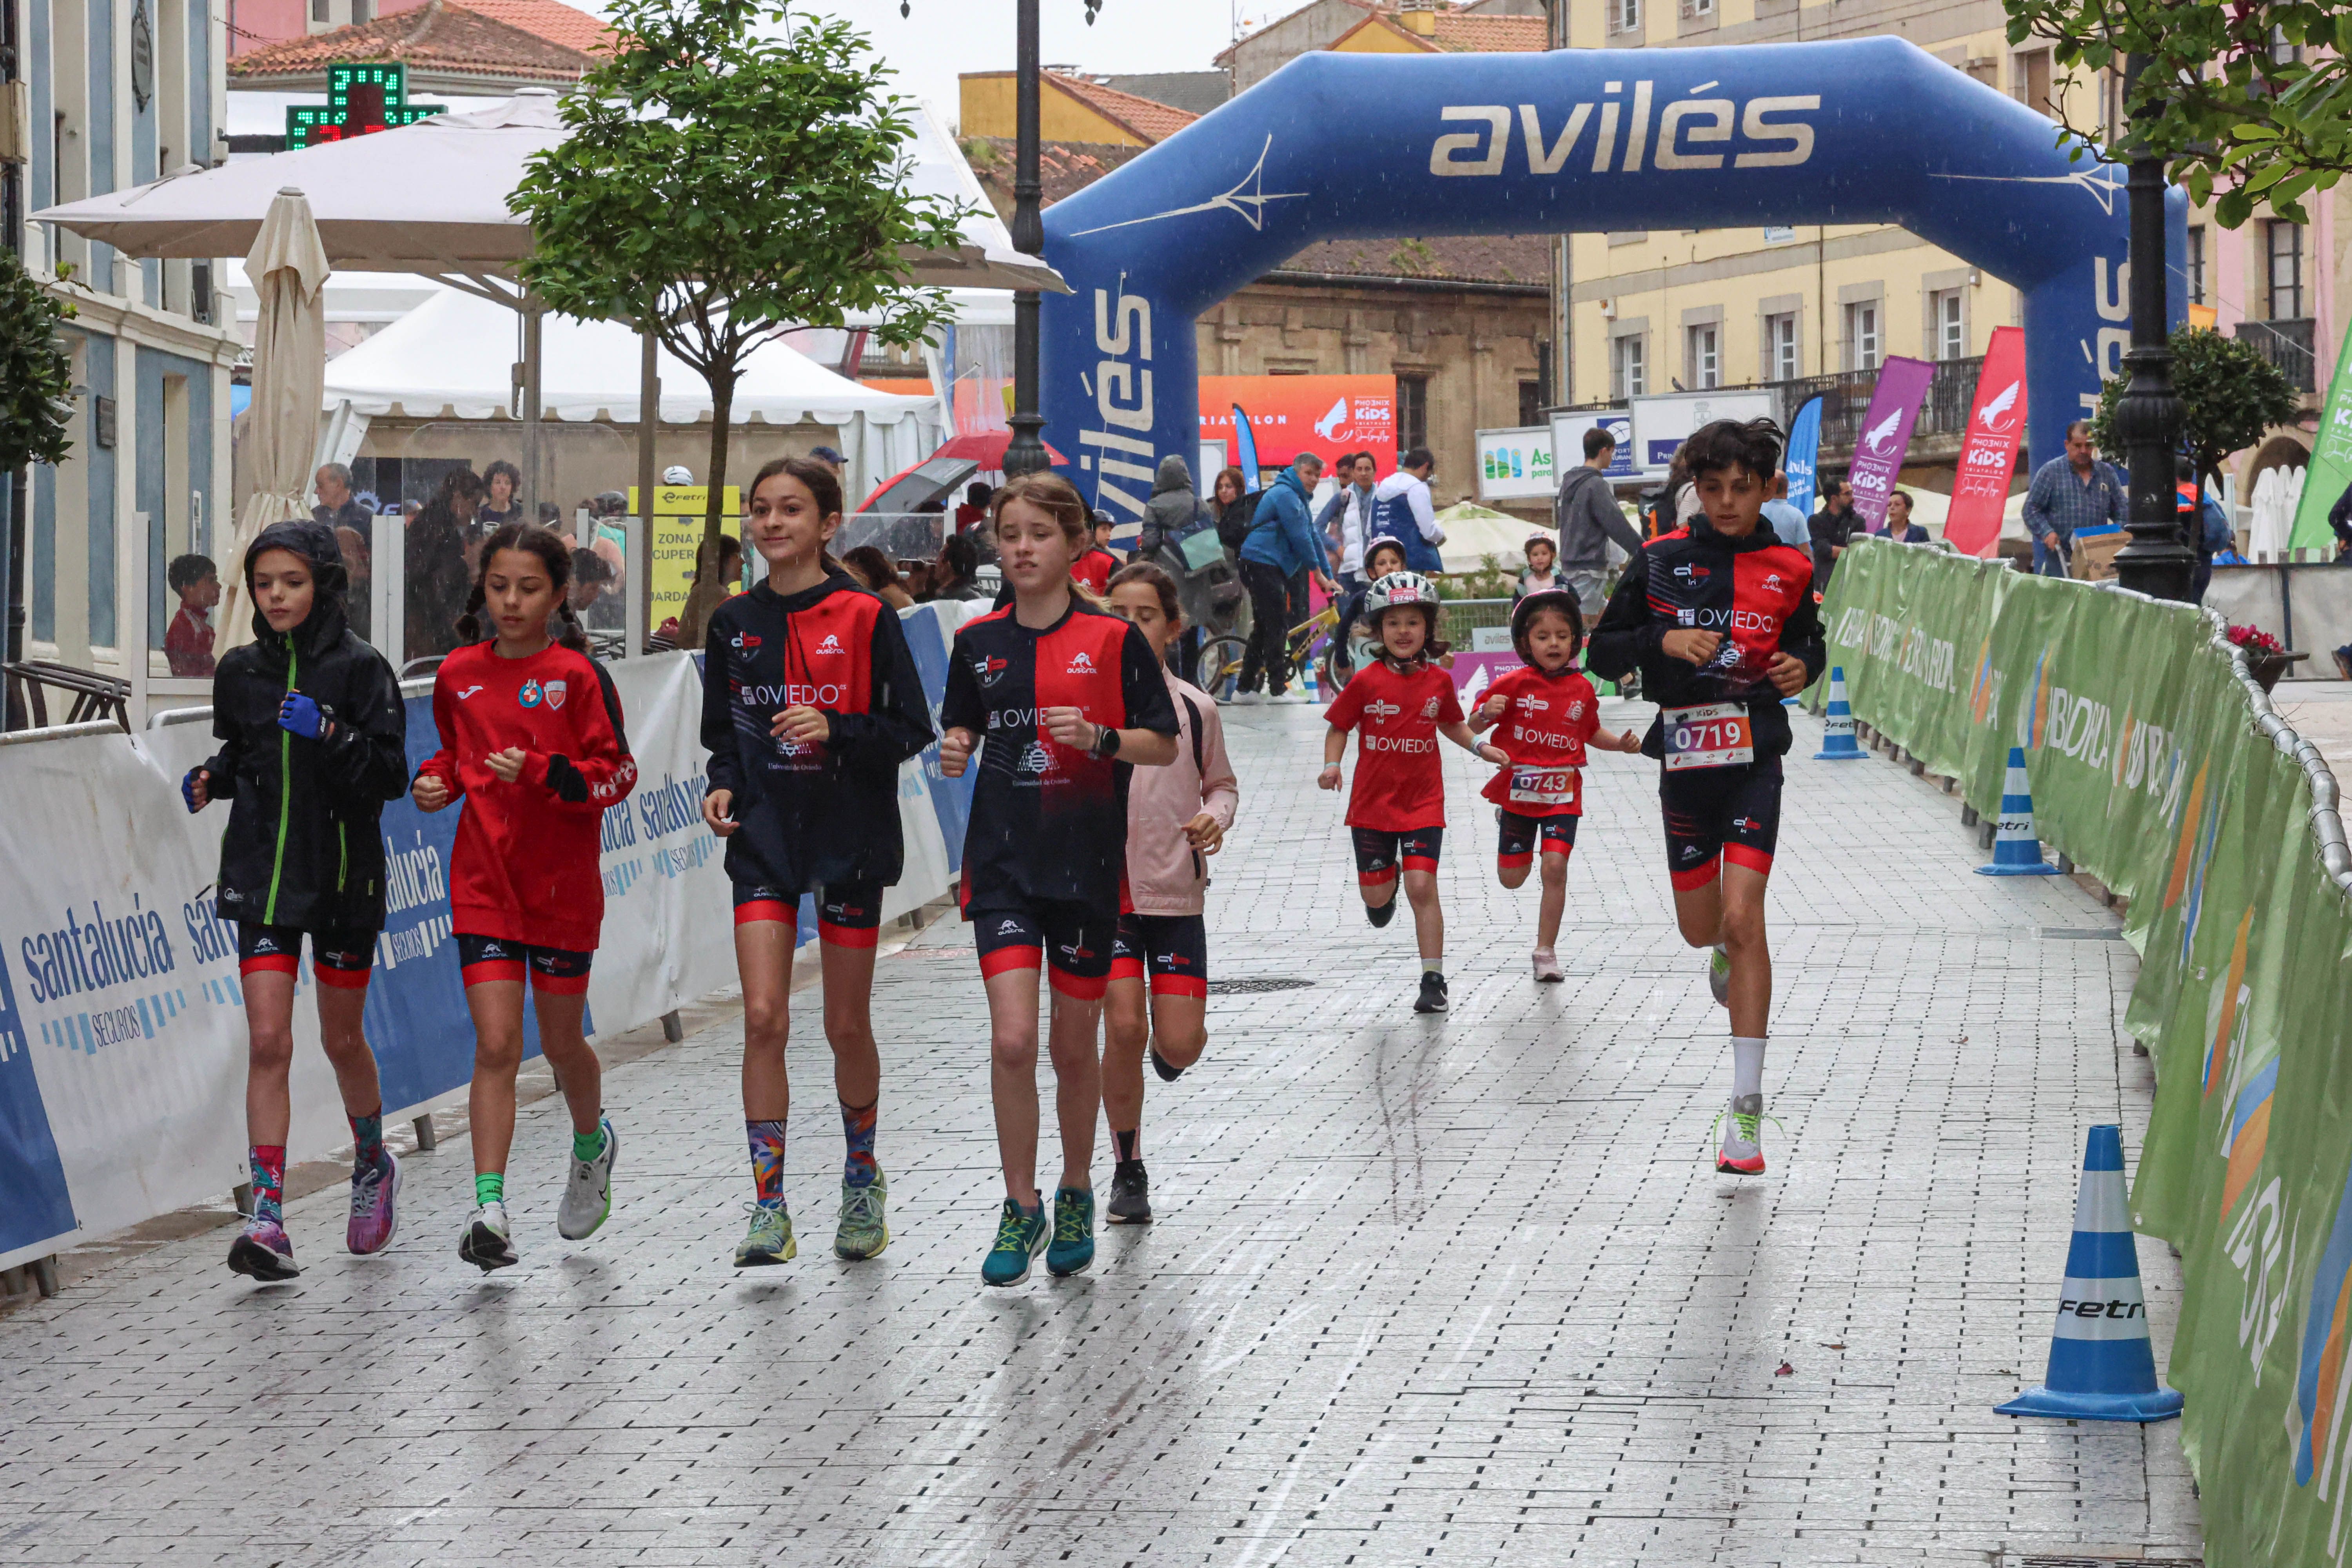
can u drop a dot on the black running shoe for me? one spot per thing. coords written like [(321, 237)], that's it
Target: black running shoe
[(1381, 914), (1130, 1194), (1168, 1072), (1433, 993)]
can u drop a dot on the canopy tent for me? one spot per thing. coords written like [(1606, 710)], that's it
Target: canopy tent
[(1473, 532)]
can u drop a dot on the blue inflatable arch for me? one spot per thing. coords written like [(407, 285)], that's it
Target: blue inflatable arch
[(1340, 146)]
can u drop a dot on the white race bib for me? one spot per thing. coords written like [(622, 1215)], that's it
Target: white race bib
[(1552, 787), (1712, 735)]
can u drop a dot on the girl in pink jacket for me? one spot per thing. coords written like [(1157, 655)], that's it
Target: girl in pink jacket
[(1176, 818)]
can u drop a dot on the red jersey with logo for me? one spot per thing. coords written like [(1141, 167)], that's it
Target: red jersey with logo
[(1399, 784), (1094, 569), (524, 869), (1543, 732)]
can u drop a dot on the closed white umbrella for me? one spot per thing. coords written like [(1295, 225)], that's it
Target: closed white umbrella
[(288, 267)]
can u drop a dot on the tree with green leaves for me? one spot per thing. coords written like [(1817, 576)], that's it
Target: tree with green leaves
[(2230, 396), (731, 171), (2250, 99), (35, 374)]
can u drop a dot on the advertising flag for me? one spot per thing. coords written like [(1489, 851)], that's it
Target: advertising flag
[(1804, 455), (1246, 448), (1885, 435), (1989, 449), (2331, 459)]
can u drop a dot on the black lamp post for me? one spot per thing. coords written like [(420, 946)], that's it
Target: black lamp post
[(2148, 417)]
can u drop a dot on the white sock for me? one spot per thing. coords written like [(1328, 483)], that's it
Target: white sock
[(1747, 1066)]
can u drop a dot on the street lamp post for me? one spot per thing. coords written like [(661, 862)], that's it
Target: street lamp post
[(2148, 417), (1026, 452)]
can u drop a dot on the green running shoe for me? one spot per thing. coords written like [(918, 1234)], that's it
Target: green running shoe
[(770, 1240), (1719, 974), (862, 1233), (1074, 1233), (1020, 1236)]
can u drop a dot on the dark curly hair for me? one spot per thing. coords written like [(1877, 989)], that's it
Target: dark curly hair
[(550, 547)]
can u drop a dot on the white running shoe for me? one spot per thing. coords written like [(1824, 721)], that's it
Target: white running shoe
[(588, 1195), (486, 1243), (1742, 1152), (1719, 975), (1546, 966), (1248, 698)]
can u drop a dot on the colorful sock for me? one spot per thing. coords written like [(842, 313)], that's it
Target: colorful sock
[(767, 1138), (489, 1187), (268, 1163), (1747, 1066), (367, 1133), (589, 1144), (858, 1128), (1429, 968), (1130, 1143)]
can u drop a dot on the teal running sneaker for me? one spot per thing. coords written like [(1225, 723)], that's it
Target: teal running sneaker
[(862, 1233), (770, 1240), (1074, 1233), (1020, 1236)]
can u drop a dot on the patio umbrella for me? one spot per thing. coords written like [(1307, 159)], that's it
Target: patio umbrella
[(288, 269)]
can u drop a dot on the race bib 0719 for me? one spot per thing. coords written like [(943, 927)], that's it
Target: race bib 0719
[(1711, 736)]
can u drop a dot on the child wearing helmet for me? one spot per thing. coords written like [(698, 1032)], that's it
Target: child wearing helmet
[(1547, 713), (1400, 703)]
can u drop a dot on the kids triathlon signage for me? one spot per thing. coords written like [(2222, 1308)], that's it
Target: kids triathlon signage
[(1874, 131)]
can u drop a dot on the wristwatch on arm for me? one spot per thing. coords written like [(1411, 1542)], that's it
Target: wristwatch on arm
[(1105, 745)]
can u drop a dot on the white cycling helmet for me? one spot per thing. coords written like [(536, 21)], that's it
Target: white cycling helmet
[(1395, 589), (675, 475)]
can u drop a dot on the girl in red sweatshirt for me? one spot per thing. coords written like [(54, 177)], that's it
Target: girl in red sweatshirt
[(531, 737)]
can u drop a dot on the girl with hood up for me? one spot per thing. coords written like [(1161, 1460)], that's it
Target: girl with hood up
[(312, 742)]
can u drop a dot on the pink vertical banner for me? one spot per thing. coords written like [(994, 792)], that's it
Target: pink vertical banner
[(1988, 451), (1885, 435)]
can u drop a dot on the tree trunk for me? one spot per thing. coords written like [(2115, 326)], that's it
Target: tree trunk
[(708, 592)]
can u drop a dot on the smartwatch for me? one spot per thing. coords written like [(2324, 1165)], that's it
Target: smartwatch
[(1105, 745)]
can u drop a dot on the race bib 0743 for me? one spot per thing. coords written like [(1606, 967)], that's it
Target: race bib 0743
[(1553, 787)]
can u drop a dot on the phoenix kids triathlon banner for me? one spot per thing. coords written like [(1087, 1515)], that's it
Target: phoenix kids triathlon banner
[(1989, 449), (2151, 773), (122, 1041)]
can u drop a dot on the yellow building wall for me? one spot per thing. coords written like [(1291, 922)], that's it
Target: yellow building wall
[(1375, 40), (988, 107)]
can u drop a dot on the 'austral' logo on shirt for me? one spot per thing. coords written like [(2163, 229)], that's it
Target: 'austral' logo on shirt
[(1773, 581), (832, 644), (1080, 664)]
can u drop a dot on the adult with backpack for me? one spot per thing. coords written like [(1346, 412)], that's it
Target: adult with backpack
[(1281, 542), (1403, 511)]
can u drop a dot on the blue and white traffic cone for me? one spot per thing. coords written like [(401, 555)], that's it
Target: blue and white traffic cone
[(1838, 744), (2016, 851), (2102, 1367)]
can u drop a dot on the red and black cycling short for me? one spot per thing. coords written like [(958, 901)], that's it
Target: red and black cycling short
[(557, 970), (342, 959), (1516, 844), (1380, 854), (848, 914), (1071, 941), (1720, 814), (1173, 950)]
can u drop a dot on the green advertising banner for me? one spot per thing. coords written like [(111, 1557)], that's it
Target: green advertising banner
[(2149, 768), (2331, 460)]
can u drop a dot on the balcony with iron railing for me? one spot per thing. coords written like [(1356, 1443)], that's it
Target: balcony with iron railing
[(2291, 345), (1845, 398)]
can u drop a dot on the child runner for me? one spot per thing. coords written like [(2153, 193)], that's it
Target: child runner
[(1176, 818), (1540, 552), (1548, 713), (810, 702), (1403, 702), (1068, 698), (312, 734), (531, 737), (1718, 616)]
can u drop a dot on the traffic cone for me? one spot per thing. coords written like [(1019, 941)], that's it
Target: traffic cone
[(2016, 852), (2102, 1367), (1837, 739)]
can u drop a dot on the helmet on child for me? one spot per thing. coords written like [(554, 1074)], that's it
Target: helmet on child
[(1400, 590), (1558, 599)]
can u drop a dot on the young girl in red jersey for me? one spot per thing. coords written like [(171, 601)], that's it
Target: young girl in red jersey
[(810, 702), (531, 737), (1548, 713), (1401, 702), (1070, 698)]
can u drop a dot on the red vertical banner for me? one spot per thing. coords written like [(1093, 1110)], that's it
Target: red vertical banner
[(1989, 449)]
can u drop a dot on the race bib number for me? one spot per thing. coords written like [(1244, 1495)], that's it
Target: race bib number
[(1713, 735), (1543, 786)]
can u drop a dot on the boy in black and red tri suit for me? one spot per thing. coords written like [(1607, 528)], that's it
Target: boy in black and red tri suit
[(1718, 616)]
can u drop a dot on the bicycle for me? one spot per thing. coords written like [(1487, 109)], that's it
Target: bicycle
[(1314, 640)]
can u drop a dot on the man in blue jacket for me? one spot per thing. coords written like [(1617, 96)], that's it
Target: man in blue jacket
[(1281, 542)]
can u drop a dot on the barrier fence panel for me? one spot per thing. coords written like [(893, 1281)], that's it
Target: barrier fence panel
[(2157, 766), (123, 1039)]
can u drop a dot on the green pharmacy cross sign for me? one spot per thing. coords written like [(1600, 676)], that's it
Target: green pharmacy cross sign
[(360, 98)]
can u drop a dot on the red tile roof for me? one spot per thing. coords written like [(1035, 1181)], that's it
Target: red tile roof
[(550, 19), (440, 36), (1490, 34), (1142, 117)]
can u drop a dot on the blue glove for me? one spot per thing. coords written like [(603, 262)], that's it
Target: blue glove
[(299, 715), (188, 789)]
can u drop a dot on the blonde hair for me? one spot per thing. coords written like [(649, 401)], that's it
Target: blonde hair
[(1053, 494)]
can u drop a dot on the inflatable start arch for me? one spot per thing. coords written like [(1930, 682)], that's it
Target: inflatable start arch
[(1338, 147)]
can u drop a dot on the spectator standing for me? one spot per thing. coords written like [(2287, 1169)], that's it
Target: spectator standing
[(976, 497), (959, 563), (438, 577), (1403, 511), (1832, 530), (1173, 509), (1899, 526), (1281, 541), (872, 571), (1588, 521), (188, 642), (500, 482), (1233, 507), (337, 507), (2072, 491), (2205, 529), (1781, 514)]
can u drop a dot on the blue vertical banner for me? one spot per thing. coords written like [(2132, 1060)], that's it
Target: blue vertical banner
[(34, 1204), (1246, 448), (1804, 455)]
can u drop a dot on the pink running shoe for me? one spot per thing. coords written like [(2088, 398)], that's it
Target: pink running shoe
[(262, 1252), (375, 1207)]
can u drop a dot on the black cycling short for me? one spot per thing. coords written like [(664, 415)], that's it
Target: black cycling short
[(848, 914), (1516, 844), (1173, 950), (342, 959), (1378, 855), (557, 970), (1732, 814), (1071, 941)]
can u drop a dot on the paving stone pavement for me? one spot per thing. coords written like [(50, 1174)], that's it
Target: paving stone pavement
[(1461, 1287)]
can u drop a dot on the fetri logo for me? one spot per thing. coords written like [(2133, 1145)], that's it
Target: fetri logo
[(1080, 664)]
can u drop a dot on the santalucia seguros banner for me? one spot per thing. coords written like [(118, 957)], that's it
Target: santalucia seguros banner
[(2154, 765), (122, 1041)]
